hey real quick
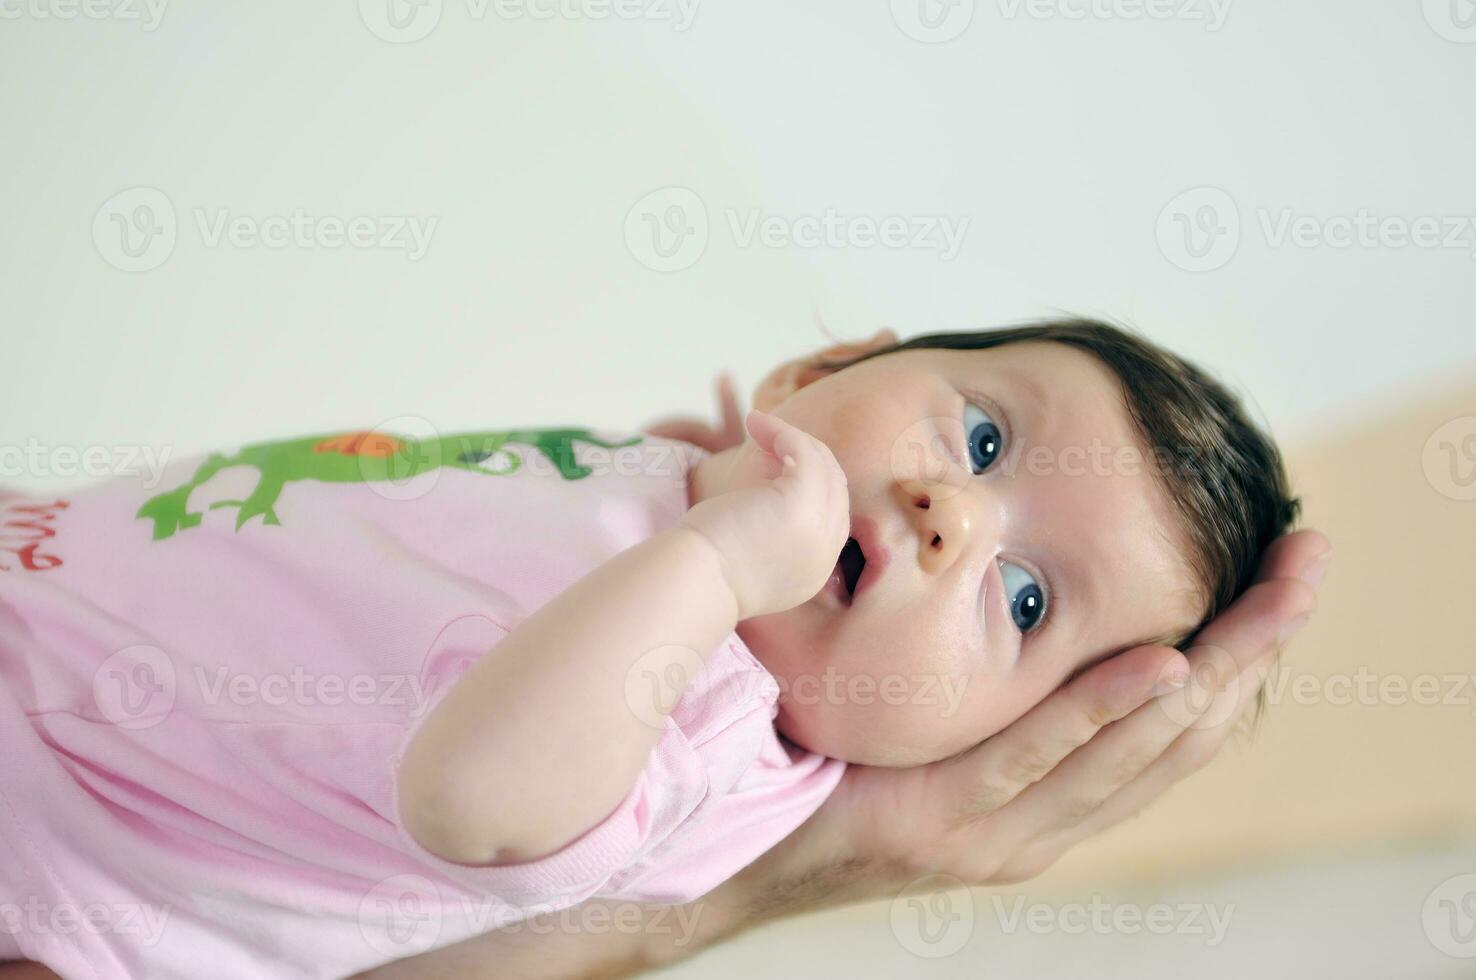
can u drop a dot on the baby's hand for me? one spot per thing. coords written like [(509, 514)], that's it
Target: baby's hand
[(782, 523)]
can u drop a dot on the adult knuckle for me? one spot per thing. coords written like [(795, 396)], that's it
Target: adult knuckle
[(1129, 766), (986, 795), (1100, 714), (1028, 765), (1213, 676), (1078, 808)]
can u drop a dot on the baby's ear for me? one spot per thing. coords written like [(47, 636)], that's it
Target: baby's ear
[(795, 374)]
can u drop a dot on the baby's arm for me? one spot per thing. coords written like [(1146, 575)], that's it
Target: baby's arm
[(537, 743)]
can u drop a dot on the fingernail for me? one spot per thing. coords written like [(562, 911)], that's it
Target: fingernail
[(1314, 572), (1291, 628), (1171, 680)]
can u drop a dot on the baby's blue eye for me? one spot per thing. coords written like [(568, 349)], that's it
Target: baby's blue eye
[(983, 437), (1027, 601)]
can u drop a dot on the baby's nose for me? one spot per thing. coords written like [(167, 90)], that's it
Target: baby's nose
[(947, 520)]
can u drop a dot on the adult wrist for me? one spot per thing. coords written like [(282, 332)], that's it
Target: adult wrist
[(815, 868)]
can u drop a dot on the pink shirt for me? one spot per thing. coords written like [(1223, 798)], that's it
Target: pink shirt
[(200, 722)]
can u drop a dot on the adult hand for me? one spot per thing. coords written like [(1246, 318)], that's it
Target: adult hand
[(1092, 754), (728, 432)]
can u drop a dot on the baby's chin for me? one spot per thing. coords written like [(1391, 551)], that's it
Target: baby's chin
[(856, 742), (864, 734)]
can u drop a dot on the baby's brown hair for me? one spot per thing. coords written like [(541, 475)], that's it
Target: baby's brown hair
[(1224, 474)]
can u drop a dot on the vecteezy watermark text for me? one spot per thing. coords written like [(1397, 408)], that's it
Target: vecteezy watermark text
[(41, 918), (37, 459), (136, 230), (1201, 230), (668, 230), (407, 21), (147, 13)]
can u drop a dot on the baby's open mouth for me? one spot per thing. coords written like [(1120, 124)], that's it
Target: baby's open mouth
[(850, 564)]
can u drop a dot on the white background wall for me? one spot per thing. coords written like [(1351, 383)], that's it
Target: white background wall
[(528, 141)]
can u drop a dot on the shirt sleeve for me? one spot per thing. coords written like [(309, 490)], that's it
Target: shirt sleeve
[(760, 786), (668, 789)]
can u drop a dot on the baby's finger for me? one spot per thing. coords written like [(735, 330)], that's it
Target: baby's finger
[(731, 415), (764, 428), (791, 441), (991, 774), (686, 430)]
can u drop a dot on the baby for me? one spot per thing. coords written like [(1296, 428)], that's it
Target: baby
[(322, 703)]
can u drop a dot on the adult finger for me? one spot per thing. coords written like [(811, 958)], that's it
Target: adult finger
[(1222, 674), (1299, 555), (986, 777), (1137, 759), (1186, 755)]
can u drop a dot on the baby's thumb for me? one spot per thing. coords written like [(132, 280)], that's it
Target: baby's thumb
[(764, 428)]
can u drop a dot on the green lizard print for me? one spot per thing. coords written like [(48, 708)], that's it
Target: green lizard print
[(359, 457)]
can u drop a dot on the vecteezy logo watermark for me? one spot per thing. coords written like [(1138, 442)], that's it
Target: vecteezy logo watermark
[(1212, 13), (932, 21), (149, 13), (1200, 230), (1449, 916), (400, 21), (933, 917), (401, 916), (135, 230), (667, 230), (656, 681), (1212, 695), (135, 687), (404, 21), (1454, 20), (1450, 458)]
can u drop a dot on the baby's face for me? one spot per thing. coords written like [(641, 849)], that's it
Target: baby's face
[(1009, 541)]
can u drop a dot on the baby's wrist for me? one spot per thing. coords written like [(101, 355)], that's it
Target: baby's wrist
[(716, 562)]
